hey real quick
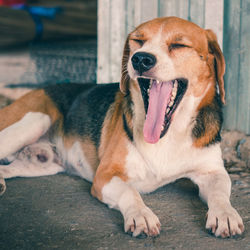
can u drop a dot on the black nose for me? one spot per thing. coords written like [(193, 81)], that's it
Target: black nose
[(143, 61)]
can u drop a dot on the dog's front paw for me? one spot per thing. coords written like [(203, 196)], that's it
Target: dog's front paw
[(139, 221), (224, 222)]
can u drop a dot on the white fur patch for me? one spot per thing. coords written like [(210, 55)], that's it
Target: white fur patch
[(150, 166), (24, 132), (75, 161)]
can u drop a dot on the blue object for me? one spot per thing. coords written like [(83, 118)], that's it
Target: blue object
[(36, 13), (48, 12)]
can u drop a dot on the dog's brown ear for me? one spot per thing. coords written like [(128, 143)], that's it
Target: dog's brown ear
[(124, 84), (219, 62)]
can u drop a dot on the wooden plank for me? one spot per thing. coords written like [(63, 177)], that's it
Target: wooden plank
[(130, 16), (214, 11), (182, 8), (133, 17), (117, 38), (173, 8), (231, 52), (167, 8), (149, 10), (138, 12), (197, 12), (243, 111), (103, 47)]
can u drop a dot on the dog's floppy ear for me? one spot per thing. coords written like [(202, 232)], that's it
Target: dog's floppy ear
[(219, 61), (125, 77)]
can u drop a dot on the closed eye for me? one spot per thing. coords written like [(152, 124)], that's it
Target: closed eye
[(177, 46), (138, 41)]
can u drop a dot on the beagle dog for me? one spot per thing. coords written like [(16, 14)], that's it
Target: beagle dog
[(161, 123)]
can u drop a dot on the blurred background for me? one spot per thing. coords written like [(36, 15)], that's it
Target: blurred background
[(63, 41), (47, 41)]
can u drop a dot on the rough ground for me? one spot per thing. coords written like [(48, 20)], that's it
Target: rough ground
[(58, 212)]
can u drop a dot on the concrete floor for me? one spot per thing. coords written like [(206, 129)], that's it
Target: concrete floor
[(58, 212)]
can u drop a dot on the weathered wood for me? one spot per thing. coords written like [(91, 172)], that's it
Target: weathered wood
[(149, 10), (243, 112), (117, 38), (174, 8), (103, 49), (231, 52), (214, 18), (197, 12), (131, 18), (139, 11)]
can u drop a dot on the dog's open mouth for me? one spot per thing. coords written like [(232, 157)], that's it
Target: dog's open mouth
[(160, 101)]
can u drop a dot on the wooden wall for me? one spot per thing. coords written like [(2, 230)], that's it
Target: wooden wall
[(237, 54), (230, 19)]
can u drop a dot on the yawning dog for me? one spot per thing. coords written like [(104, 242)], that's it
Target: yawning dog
[(161, 123)]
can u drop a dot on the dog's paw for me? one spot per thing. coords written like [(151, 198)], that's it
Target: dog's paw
[(225, 222), (139, 221)]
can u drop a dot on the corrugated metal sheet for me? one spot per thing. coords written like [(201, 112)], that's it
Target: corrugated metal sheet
[(231, 18)]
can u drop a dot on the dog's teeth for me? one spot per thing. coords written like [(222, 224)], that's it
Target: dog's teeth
[(162, 128), (171, 103), (174, 91), (175, 85), (157, 81), (173, 96), (150, 84), (148, 91), (168, 109)]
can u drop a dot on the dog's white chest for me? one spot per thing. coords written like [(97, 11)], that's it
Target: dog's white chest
[(151, 166)]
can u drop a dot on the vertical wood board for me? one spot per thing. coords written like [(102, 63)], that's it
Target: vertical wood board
[(197, 12), (174, 8), (243, 112), (237, 55), (103, 45), (117, 34), (231, 53), (214, 18)]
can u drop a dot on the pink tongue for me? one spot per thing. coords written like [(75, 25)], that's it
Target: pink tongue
[(159, 97)]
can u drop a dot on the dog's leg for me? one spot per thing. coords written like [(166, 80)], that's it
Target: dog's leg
[(118, 194), (25, 121), (34, 160), (111, 184), (24, 132), (215, 188), (20, 168)]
